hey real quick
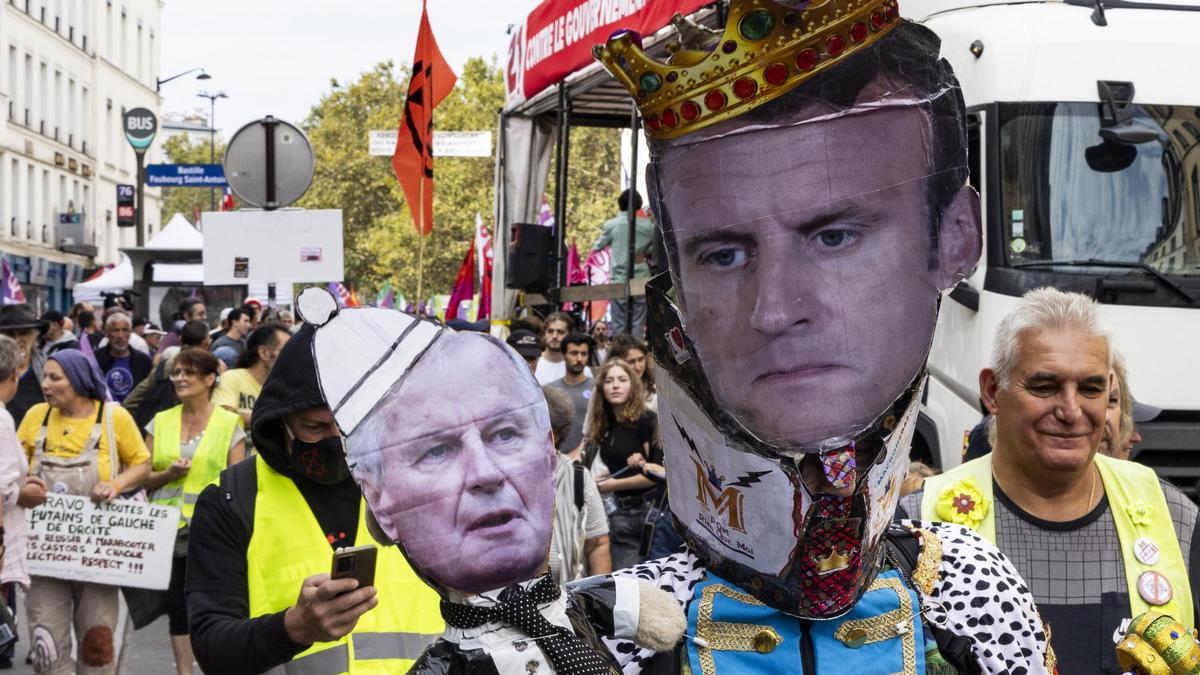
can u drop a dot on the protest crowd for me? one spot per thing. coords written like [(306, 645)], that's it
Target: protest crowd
[(193, 417)]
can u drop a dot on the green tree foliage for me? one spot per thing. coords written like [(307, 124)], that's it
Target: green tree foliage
[(381, 242), (182, 149), (593, 184)]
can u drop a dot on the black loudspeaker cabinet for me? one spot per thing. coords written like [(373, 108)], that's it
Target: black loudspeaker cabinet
[(530, 258)]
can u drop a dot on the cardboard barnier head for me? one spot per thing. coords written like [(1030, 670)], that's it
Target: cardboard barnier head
[(448, 437), (810, 227)]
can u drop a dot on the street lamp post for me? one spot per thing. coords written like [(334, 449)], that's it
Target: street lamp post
[(202, 76), (212, 136)]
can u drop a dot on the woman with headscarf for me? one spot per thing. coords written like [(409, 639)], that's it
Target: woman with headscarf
[(193, 442), (77, 443)]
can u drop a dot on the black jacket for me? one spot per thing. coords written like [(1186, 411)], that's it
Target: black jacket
[(224, 637), (140, 365)]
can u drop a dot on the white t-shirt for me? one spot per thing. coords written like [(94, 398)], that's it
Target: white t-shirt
[(549, 371)]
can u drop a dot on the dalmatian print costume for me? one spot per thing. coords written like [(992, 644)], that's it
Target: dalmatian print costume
[(977, 594)]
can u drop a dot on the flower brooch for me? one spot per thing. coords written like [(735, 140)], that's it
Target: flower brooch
[(963, 504)]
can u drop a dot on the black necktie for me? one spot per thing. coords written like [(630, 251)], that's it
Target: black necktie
[(519, 608)]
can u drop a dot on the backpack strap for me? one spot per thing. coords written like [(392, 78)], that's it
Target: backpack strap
[(577, 470), (239, 489), (905, 549)]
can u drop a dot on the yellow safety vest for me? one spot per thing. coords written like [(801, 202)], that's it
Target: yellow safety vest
[(210, 459), (1138, 507), (288, 546)]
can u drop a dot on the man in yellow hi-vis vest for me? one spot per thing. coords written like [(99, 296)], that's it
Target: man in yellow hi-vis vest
[(258, 590), (1098, 540)]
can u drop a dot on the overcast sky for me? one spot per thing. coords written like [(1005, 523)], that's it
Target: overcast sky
[(277, 56)]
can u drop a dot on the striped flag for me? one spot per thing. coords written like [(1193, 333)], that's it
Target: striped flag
[(339, 291), (386, 297)]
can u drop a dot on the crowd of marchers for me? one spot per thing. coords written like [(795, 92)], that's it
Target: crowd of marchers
[(139, 410)]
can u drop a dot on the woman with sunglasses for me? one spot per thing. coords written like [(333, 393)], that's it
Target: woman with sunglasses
[(190, 444)]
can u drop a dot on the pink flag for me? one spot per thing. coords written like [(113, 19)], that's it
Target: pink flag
[(575, 273), (12, 293), (598, 268)]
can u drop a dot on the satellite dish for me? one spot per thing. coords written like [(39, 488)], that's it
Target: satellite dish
[(269, 163)]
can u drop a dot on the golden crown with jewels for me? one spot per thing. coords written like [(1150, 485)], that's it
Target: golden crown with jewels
[(766, 49)]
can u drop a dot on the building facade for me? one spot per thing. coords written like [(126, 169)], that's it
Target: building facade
[(69, 69)]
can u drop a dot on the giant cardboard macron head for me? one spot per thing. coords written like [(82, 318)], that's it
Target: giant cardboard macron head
[(808, 170), (448, 436)]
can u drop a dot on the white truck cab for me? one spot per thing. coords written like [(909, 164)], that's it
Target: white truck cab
[(1084, 121)]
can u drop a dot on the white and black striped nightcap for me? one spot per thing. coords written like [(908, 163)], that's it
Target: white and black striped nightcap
[(360, 352)]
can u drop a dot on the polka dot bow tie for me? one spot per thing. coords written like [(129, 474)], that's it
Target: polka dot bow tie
[(519, 608)]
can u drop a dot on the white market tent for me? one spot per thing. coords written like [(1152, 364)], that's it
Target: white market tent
[(178, 235), (115, 278)]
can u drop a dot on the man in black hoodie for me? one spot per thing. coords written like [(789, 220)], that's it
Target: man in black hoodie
[(257, 592)]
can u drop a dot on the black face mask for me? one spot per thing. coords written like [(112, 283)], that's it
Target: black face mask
[(321, 462)]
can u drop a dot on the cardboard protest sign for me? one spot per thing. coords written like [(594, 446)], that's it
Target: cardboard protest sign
[(122, 543)]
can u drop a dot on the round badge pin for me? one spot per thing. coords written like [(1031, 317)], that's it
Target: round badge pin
[(59, 488), (1154, 588), (1146, 551)]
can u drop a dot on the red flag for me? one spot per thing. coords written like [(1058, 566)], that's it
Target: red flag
[(432, 80), (575, 273), (227, 200), (464, 284)]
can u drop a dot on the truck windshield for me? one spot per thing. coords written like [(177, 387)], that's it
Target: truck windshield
[(1070, 195)]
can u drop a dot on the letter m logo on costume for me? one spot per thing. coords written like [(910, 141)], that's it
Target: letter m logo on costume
[(723, 502)]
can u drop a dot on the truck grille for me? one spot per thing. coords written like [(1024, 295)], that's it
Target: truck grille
[(1171, 446)]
